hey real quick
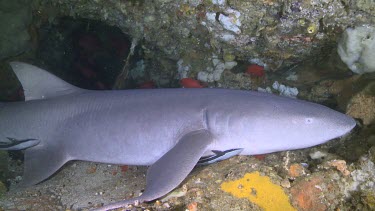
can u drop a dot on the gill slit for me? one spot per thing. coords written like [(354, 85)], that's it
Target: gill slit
[(205, 119)]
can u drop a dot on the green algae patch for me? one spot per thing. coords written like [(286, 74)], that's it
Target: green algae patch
[(260, 191)]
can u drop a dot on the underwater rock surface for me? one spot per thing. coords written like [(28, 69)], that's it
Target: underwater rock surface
[(15, 17), (331, 184), (274, 34)]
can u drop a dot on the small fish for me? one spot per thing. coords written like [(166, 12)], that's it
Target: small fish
[(190, 83), (255, 70)]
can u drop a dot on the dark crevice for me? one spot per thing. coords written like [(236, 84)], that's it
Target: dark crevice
[(86, 53)]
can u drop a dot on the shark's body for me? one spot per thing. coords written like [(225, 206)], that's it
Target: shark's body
[(169, 129)]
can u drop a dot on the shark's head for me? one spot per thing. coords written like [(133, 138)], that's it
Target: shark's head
[(285, 124), (310, 124)]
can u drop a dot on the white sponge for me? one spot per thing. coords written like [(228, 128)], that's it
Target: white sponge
[(357, 49)]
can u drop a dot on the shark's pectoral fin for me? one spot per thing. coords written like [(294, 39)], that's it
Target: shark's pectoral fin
[(219, 156), (171, 169), (40, 163)]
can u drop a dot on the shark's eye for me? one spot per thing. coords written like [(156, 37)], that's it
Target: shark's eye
[(309, 120)]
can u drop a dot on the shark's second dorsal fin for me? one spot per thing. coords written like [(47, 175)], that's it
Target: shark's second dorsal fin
[(40, 84)]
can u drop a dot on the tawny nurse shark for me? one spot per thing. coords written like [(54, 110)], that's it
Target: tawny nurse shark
[(170, 130)]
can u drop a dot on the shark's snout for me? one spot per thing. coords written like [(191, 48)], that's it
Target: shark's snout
[(350, 123), (343, 124)]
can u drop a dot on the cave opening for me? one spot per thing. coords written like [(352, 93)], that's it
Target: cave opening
[(87, 53)]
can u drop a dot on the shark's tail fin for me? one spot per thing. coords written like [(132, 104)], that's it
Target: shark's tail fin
[(40, 84)]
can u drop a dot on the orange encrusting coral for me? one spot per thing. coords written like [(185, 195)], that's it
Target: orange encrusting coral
[(296, 170), (307, 194), (259, 190)]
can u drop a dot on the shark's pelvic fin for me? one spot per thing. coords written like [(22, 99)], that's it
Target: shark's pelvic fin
[(14, 144), (171, 169), (41, 163), (40, 84), (219, 156)]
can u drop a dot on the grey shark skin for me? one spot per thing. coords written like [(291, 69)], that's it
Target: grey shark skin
[(168, 129)]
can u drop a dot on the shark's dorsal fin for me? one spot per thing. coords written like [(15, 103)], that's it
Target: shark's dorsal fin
[(40, 84)]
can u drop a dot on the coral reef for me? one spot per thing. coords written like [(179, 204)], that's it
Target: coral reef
[(282, 47), (274, 34)]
